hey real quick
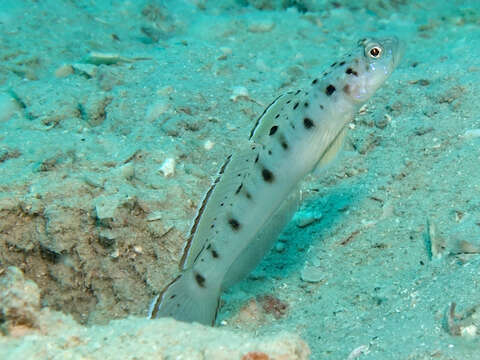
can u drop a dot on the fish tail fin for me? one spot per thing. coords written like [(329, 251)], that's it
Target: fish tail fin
[(187, 299)]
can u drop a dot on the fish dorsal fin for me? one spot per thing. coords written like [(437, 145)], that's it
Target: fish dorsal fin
[(229, 179), (331, 153), (267, 119)]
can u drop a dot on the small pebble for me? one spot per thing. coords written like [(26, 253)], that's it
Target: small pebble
[(155, 110), (168, 167), (361, 350), (279, 247), (239, 92), (471, 134), (226, 52), (383, 121), (261, 26), (261, 66), (208, 145), (64, 71), (469, 331), (88, 70), (127, 171), (166, 90), (312, 274), (304, 219), (363, 109), (154, 216)]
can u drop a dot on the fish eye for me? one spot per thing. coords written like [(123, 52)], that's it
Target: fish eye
[(374, 51)]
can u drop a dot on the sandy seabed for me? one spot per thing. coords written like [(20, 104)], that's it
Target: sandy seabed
[(116, 115)]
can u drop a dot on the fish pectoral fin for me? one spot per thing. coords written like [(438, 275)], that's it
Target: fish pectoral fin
[(185, 300), (332, 151)]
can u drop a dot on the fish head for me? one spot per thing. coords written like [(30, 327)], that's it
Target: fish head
[(369, 66)]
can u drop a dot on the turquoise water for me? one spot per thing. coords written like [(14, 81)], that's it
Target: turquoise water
[(116, 116)]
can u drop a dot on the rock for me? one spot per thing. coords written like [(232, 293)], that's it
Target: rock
[(19, 301), (148, 339), (105, 207)]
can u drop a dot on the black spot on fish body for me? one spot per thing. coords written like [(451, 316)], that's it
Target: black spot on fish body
[(234, 224), (173, 296), (341, 63), (214, 254), (308, 123), (335, 63), (269, 152), (273, 130), (284, 145), (314, 81), (321, 106), (277, 116), (200, 280), (306, 104), (330, 90), (267, 175), (256, 159), (295, 106), (298, 92), (289, 101), (349, 71), (247, 195)]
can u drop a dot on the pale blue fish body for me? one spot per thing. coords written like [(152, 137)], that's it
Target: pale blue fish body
[(256, 192)]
